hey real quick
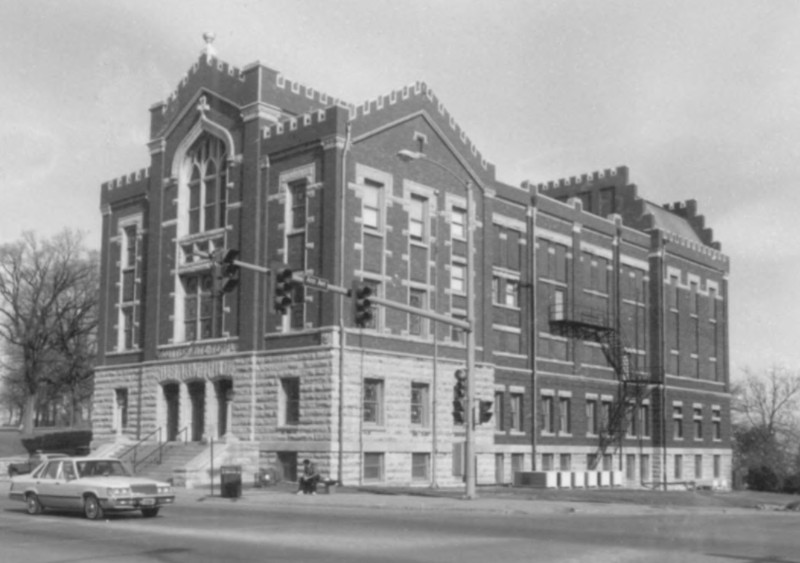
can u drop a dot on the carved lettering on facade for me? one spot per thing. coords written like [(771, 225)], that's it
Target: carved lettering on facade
[(197, 349)]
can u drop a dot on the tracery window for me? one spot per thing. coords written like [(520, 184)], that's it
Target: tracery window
[(207, 181)]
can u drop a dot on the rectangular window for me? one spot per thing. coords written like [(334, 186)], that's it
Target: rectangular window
[(591, 416), (420, 466), (565, 415), (419, 404), (499, 411), (677, 422), (693, 297), (698, 423), (297, 206), (372, 193), (373, 466), (608, 462), (644, 420), (416, 298), (417, 214), (289, 405), (698, 466), (458, 223), (129, 333), (547, 414), (631, 430), (373, 401), (511, 293), (548, 462), (630, 467), (130, 247), (457, 278), (515, 405), (605, 415), (558, 308), (716, 423), (202, 310), (565, 462), (717, 466), (591, 461), (679, 466)]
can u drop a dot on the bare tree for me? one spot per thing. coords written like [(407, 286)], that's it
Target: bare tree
[(767, 421), (48, 300)]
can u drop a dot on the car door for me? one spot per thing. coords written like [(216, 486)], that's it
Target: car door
[(46, 486), (70, 487)]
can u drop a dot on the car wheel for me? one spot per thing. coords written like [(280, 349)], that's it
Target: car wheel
[(32, 504), (91, 508), (150, 512)]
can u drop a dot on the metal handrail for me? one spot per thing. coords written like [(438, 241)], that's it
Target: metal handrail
[(134, 448), (185, 432)]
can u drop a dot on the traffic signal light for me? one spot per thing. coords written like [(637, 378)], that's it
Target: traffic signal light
[(281, 287), (459, 396), (362, 304), (485, 412), (458, 412), (224, 271)]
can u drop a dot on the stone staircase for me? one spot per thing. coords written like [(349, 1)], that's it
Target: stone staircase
[(174, 455)]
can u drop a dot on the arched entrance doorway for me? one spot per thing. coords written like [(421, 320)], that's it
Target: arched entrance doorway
[(172, 402), (197, 399), (224, 392)]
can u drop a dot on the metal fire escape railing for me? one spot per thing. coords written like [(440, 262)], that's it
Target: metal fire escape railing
[(585, 323)]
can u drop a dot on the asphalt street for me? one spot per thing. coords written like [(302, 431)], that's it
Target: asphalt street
[(277, 526)]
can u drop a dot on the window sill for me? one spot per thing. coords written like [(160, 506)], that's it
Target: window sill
[(516, 433), (565, 434)]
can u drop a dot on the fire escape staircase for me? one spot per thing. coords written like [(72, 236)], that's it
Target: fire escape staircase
[(592, 325)]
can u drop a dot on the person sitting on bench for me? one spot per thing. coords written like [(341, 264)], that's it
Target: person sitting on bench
[(308, 479)]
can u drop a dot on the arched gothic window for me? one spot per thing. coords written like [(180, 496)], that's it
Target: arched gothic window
[(207, 180)]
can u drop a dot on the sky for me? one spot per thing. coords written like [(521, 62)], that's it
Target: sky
[(700, 99)]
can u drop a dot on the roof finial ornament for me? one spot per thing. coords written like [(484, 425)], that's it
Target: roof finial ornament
[(209, 50)]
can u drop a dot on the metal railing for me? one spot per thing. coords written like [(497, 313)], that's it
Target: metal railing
[(135, 448)]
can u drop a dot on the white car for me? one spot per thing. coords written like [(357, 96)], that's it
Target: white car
[(92, 485)]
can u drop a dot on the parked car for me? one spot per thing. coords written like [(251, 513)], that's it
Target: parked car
[(32, 463), (94, 486)]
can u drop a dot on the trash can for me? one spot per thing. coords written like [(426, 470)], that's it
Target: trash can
[(230, 481)]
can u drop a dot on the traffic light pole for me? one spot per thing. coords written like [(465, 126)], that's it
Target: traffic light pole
[(469, 441)]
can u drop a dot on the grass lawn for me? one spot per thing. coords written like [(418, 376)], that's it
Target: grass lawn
[(732, 499)]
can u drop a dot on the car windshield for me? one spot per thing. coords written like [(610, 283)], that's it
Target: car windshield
[(101, 467)]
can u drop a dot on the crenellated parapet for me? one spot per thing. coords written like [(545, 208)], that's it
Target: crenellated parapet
[(584, 180), (127, 179), (688, 210), (409, 100), (308, 93), (229, 81), (298, 123), (124, 187)]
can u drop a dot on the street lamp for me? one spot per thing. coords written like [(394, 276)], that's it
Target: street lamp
[(469, 446)]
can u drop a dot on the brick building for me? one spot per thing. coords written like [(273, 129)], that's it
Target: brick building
[(601, 318)]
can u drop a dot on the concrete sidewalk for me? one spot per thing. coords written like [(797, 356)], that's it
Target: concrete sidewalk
[(352, 498)]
